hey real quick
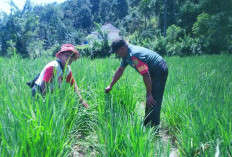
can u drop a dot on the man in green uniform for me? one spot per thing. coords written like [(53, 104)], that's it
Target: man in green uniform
[(153, 69)]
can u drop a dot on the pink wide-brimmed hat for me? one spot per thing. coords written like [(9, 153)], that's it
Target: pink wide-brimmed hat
[(68, 47)]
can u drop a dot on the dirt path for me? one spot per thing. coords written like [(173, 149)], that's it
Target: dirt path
[(165, 138)]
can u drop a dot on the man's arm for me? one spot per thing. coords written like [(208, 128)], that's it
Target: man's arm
[(116, 77), (148, 83)]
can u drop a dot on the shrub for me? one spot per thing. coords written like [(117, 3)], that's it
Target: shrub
[(100, 49), (214, 30), (84, 50), (174, 33), (190, 46), (100, 45), (173, 48), (159, 45)]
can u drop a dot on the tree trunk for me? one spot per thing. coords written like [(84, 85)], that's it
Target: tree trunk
[(145, 22), (149, 22), (165, 17)]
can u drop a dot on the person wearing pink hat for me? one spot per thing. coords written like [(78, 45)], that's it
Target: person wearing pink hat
[(56, 69)]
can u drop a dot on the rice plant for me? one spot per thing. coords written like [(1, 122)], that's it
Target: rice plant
[(196, 111)]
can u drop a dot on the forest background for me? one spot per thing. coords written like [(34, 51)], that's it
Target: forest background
[(169, 27)]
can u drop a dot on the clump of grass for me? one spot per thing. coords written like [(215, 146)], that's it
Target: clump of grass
[(197, 107)]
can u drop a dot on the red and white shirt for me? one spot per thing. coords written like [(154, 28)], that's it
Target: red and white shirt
[(54, 71)]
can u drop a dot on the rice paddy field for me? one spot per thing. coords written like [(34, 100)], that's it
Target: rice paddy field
[(196, 118)]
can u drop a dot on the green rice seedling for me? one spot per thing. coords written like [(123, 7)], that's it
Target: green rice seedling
[(35, 127), (198, 104), (196, 110), (123, 134)]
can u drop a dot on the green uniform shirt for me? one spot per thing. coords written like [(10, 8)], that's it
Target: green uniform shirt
[(141, 59)]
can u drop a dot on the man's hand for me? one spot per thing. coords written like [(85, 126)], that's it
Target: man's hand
[(83, 102), (108, 89), (116, 77), (150, 101)]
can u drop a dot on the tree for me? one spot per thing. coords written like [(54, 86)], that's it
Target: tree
[(49, 25), (121, 8), (105, 11), (18, 29), (95, 7), (146, 8), (188, 15), (210, 29), (84, 20), (100, 48), (165, 17)]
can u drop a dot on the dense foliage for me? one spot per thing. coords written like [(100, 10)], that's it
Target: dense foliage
[(170, 27)]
